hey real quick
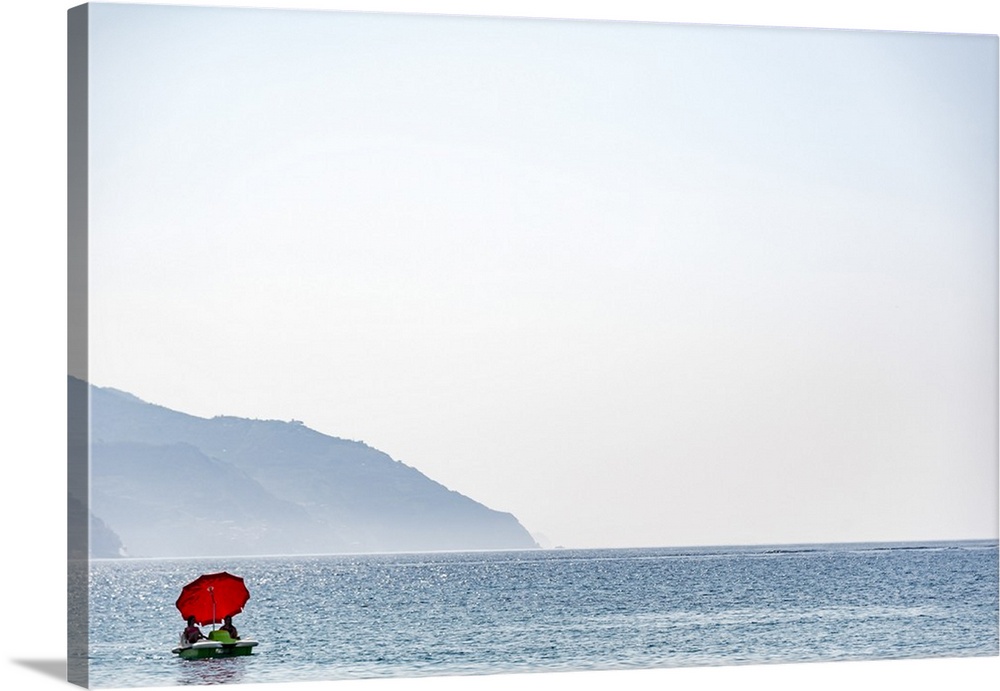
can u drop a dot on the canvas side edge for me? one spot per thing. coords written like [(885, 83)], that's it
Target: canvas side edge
[(78, 408)]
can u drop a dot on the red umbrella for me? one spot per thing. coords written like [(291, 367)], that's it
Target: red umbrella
[(213, 597)]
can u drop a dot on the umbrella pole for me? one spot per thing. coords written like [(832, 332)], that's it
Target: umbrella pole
[(211, 591)]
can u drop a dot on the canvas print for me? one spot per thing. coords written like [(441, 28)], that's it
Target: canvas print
[(411, 345)]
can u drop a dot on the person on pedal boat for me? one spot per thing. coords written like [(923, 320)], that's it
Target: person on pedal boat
[(228, 627), (192, 634)]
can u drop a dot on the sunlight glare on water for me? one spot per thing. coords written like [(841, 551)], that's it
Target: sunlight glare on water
[(366, 616)]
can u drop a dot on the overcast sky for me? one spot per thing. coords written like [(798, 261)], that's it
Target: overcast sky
[(638, 284)]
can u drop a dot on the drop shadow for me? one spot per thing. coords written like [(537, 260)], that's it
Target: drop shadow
[(55, 668)]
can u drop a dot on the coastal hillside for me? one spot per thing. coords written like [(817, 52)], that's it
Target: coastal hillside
[(171, 484), (100, 543)]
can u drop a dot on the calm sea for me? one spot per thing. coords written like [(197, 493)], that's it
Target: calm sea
[(339, 617)]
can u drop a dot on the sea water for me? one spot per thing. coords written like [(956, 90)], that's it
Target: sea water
[(366, 616)]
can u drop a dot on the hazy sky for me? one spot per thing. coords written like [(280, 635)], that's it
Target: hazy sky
[(637, 284)]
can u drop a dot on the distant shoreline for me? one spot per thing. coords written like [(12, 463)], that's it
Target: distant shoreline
[(762, 549)]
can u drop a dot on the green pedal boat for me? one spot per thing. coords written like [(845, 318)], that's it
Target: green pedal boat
[(219, 644)]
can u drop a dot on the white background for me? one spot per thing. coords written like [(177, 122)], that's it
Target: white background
[(33, 274)]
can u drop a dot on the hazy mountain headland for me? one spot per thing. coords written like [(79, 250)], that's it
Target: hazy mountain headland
[(167, 484)]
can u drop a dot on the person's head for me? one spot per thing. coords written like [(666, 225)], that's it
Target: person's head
[(229, 620), (191, 620)]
